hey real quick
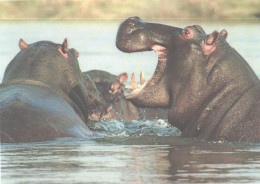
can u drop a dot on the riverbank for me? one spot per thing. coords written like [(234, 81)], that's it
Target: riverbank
[(117, 9)]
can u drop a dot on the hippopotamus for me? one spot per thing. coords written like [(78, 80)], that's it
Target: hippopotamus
[(211, 91), (43, 96), (107, 98)]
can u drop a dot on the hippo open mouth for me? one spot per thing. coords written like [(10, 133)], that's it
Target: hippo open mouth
[(160, 68), (135, 35)]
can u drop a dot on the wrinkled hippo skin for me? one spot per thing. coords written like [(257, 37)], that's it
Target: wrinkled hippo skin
[(43, 96), (110, 103), (211, 91)]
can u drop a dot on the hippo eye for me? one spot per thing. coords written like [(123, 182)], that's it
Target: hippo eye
[(186, 32)]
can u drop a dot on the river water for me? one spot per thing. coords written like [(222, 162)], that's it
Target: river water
[(125, 152)]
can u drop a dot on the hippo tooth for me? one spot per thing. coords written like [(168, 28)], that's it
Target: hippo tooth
[(133, 82), (142, 79)]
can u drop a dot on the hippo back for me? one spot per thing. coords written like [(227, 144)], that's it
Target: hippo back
[(43, 95)]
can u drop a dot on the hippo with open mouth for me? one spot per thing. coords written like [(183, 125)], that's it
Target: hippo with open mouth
[(210, 90)]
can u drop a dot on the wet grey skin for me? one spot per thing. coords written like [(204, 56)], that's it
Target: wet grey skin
[(211, 91), (43, 96)]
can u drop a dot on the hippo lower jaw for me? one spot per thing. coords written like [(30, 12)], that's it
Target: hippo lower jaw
[(153, 88)]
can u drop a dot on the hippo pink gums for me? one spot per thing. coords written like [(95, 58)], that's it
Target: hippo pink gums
[(210, 90)]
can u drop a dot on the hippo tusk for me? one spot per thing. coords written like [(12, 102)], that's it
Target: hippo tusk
[(142, 79), (133, 82)]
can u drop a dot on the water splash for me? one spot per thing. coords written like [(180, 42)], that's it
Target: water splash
[(115, 128)]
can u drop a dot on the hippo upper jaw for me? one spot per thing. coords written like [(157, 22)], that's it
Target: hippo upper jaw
[(135, 35)]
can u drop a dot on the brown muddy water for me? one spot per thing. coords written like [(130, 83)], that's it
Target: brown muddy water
[(125, 152)]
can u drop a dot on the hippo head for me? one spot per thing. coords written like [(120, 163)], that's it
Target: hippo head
[(107, 99), (198, 75), (53, 65), (135, 35)]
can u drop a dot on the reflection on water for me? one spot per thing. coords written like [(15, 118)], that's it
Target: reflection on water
[(215, 163), (140, 155), (82, 163), (78, 161), (138, 152)]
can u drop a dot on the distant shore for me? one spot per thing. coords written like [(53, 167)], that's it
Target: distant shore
[(118, 9)]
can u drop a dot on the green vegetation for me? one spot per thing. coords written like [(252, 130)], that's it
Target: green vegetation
[(117, 9)]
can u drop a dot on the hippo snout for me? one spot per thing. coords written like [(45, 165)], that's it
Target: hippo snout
[(131, 35)]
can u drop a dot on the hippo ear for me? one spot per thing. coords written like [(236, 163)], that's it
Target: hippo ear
[(63, 49), (22, 44), (211, 39), (209, 47), (116, 87), (122, 78), (224, 33), (65, 46)]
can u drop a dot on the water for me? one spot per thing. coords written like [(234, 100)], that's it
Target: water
[(125, 152)]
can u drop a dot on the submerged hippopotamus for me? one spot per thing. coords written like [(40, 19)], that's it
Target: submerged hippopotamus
[(107, 100), (43, 95), (211, 91)]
